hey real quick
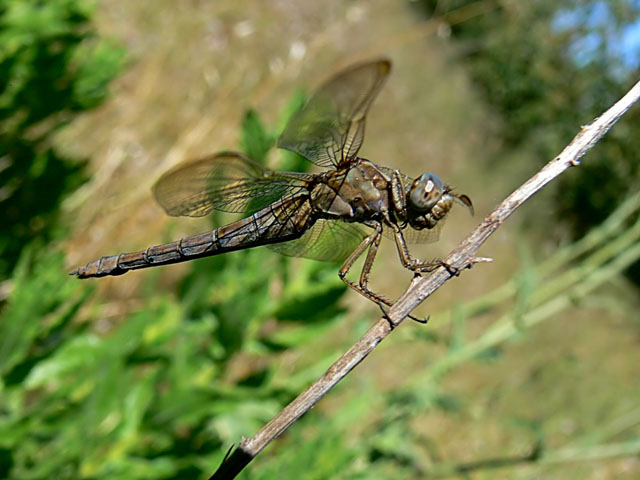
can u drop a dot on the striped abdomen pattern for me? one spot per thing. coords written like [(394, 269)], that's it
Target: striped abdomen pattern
[(281, 221)]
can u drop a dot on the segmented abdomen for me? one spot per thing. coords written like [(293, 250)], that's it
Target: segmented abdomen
[(281, 221)]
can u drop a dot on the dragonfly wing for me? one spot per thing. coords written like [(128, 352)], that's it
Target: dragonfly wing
[(327, 240), (329, 129), (414, 237), (226, 181)]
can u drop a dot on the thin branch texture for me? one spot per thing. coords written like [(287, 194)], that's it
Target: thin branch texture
[(422, 287)]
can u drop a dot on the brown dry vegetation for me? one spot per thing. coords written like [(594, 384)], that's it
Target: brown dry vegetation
[(195, 66)]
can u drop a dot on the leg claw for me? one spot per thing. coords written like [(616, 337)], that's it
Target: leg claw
[(385, 314), (453, 271)]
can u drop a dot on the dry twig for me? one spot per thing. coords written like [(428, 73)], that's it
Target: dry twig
[(421, 287)]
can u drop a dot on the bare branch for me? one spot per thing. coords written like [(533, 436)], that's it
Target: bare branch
[(464, 256)]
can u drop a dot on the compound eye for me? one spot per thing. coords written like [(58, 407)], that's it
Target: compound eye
[(425, 192)]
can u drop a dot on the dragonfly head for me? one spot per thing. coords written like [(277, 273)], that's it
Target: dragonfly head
[(425, 192), (429, 200)]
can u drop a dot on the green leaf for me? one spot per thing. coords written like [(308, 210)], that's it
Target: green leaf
[(292, 161), (256, 142), (96, 64)]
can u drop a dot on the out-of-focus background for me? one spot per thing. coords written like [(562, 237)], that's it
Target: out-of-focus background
[(529, 367)]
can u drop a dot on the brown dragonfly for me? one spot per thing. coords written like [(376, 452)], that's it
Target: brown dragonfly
[(336, 215)]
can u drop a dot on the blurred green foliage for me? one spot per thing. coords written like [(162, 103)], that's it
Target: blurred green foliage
[(548, 67), (148, 398), (52, 67)]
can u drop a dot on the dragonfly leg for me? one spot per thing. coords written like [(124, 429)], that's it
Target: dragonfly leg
[(368, 261), (372, 242), (415, 265), (399, 195)]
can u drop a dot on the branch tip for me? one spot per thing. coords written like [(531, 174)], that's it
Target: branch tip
[(475, 260)]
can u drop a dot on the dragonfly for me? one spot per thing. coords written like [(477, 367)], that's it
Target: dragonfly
[(339, 214)]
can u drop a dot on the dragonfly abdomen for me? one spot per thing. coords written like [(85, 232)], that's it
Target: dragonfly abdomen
[(187, 248), (284, 220)]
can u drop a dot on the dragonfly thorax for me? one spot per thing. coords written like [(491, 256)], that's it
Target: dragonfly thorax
[(357, 194)]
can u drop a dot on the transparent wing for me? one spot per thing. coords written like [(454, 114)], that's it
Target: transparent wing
[(226, 181), (327, 240), (329, 130), (414, 237)]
